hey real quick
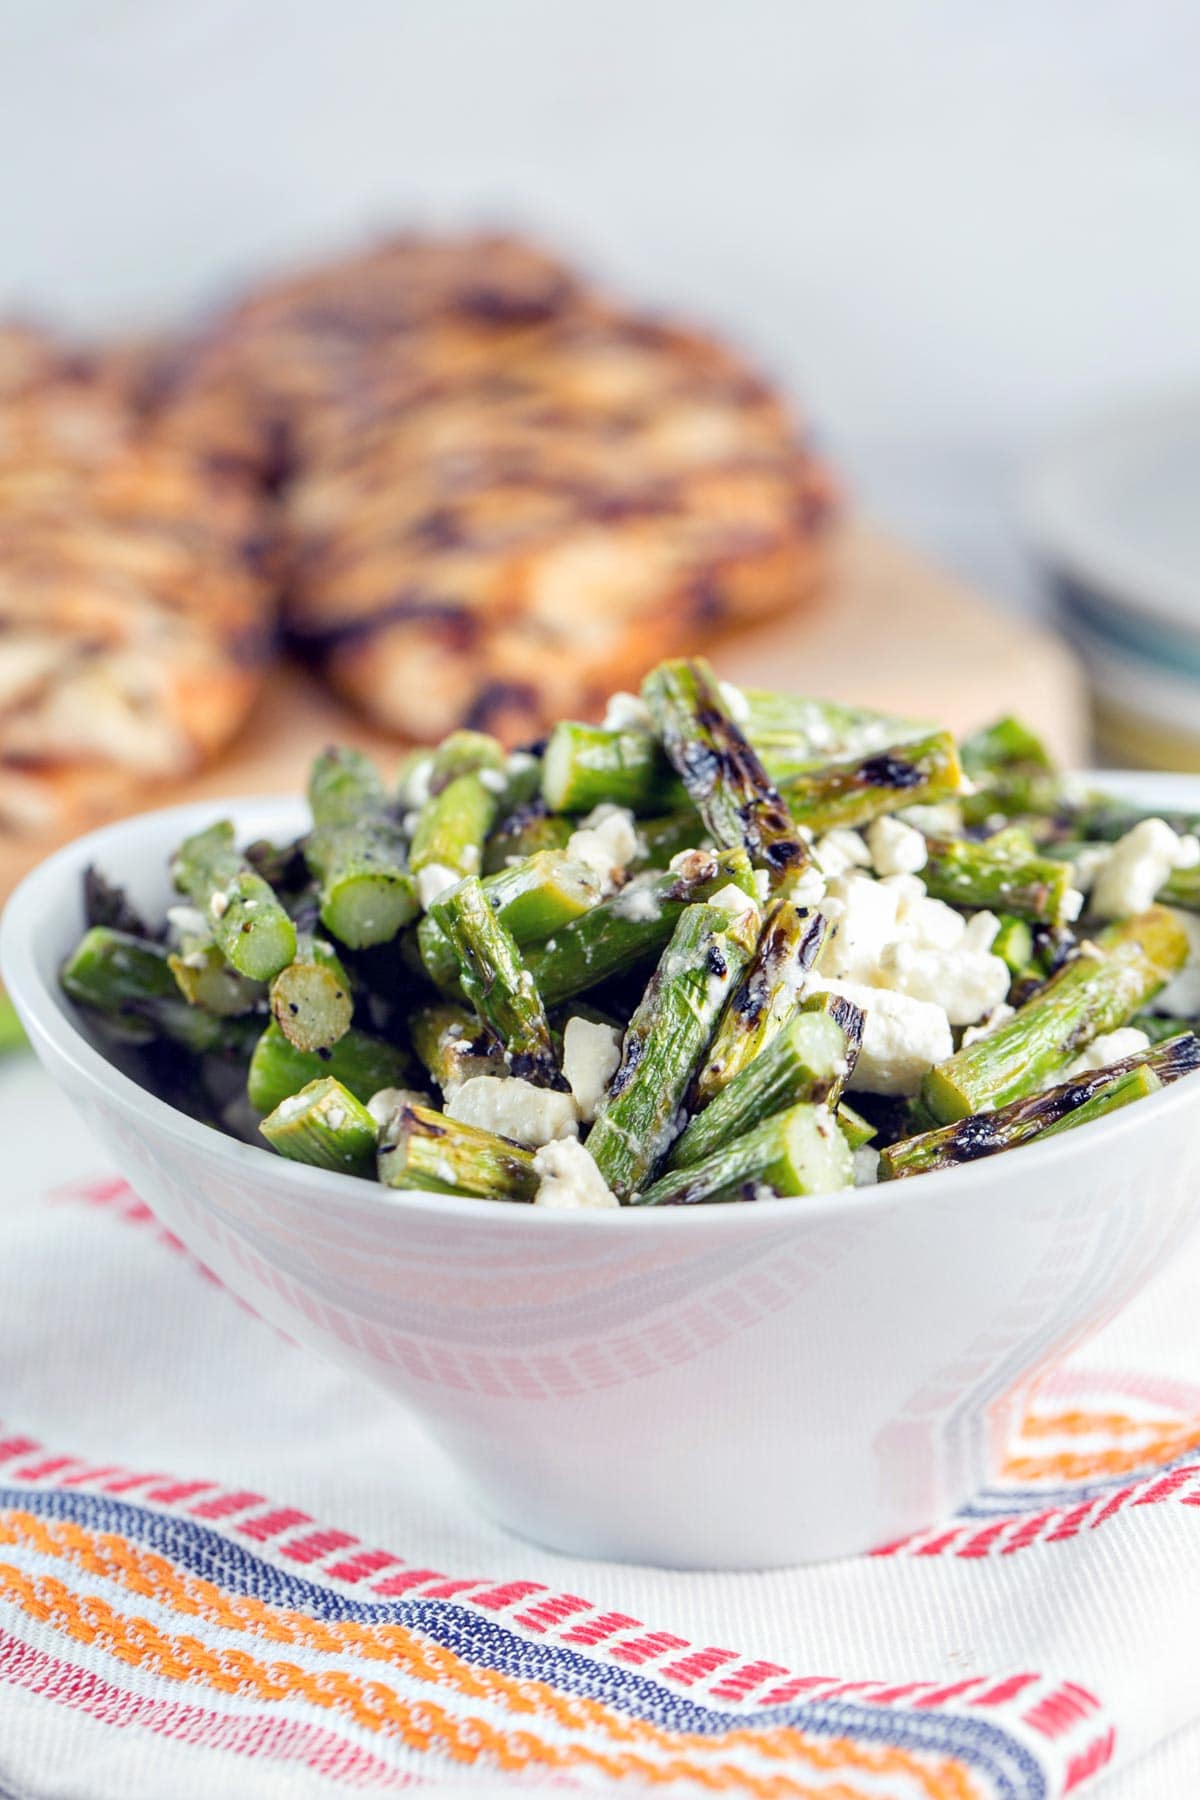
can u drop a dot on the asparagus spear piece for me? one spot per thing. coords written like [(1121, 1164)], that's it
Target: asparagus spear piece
[(531, 898), (632, 927), (248, 923), (856, 1130), (453, 1045), (1003, 872), (1007, 744), (800, 1151), (723, 775), (497, 983), (585, 765), (821, 728), (1013, 943), (128, 981), (1182, 888), (1056, 1109), (803, 1061), (764, 999), (362, 1063), (312, 999), (356, 851), (325, 1125), (850, 1017), (206, 978), (466, 782), (523, 833), (665, 1040), (427, 1150), (1096, 992), (855, 792)]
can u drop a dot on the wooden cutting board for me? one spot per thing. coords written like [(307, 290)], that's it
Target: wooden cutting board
[(893, 632)]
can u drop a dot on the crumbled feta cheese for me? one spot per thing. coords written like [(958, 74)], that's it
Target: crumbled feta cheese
[(335, 1116), (1188, 854), (591, 1053), (1088, 863), (841, 849), (980, 931), (187, 921), (1110, 1048), (862, 920), (520, 762), (218, 905), (1180, 999), (934, 924), (514, 1108), (733, 902), (626, 712), (736, 701), (866, 1166), (639, 902), (606, 841), (434, 880), (1072, 905), (415, 788), (569, 1178), (896, 848), (986, 1026), (942, 818), (902, 1037), (808, 889), (1135, 868), (493, 780), (966, 983), (762, 885)]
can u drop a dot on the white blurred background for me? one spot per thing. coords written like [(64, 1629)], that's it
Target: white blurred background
[(950, 226)]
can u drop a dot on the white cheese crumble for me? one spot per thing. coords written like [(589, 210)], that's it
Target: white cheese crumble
[(639, 902), (808, 889), (731, 901), (606, 841), (942, 818), (896, 848), (591, 1053), (218, 905), (1087, 865), (1110, 1048), (434, 880), (987, 1025), (514, 1108), (736, 701), (902, 1037), (981, 930), (966, 983), (626, 712), (862, 922), (384, 1105), (493, 780), (569, 1178), (1136, 867), (841, 850), (866, 1166), (187, 921), (335, 1116), (1180, 999), (414, 791)]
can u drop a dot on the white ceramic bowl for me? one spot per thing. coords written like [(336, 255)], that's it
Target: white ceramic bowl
[(721, 1387)]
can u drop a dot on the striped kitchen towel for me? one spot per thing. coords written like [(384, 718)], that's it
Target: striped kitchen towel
[(227, 1569)]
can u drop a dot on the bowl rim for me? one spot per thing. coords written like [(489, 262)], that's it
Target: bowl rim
[(47, 1015), (1069, 533)]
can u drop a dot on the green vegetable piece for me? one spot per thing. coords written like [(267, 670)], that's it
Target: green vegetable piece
[(427, 1150), (805, 1060), (1003, 872), (312, 999), (497, 983), (913, 773), (800, 1151), (356, 850), (362, 1063), (764, 999), (325, 1125), (248, 923)]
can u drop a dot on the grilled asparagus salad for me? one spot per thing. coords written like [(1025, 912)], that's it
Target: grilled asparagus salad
[(726, 946)]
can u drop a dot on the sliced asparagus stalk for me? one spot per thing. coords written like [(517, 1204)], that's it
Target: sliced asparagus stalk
[(466, 782), (822, 729), (805, 1060), (248, 923), (356, 851), (453, 1045), (632, 927), (362, 1063), (325, 1125), (522, 834), (1013, 943), (856, 1130), (427, 1150), (851, 1019), (128, 980), (531, 898), (1182, 888), (205, 977), (721, 772), (586, 765), (764, 999), (1007, 744), (312, 999), (800, 1151), (497, 983), (854, 792), (1098, 991), (666, 1038), (1040, 1115), (1003, 872)]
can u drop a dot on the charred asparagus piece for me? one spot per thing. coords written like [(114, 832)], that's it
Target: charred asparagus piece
[(666, 1039), (800, 1151), (325, 1125), (312, 998), (764, 999), (523, 833), (453, 1045), (531, 899), (248, 923), (586, 765), (721, 772), (1003, 872), (632, 927), (497, 983), (427, 1150), (805, 1060), (854, 792), (1058, 1108), (1096, 992), (356, 851), (466, 782), (128, 981), (362, 1063)]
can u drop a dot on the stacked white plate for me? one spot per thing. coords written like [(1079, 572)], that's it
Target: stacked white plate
[(1113, 511)]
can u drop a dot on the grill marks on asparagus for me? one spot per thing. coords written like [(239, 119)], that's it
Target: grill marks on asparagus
[(765, 997)]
